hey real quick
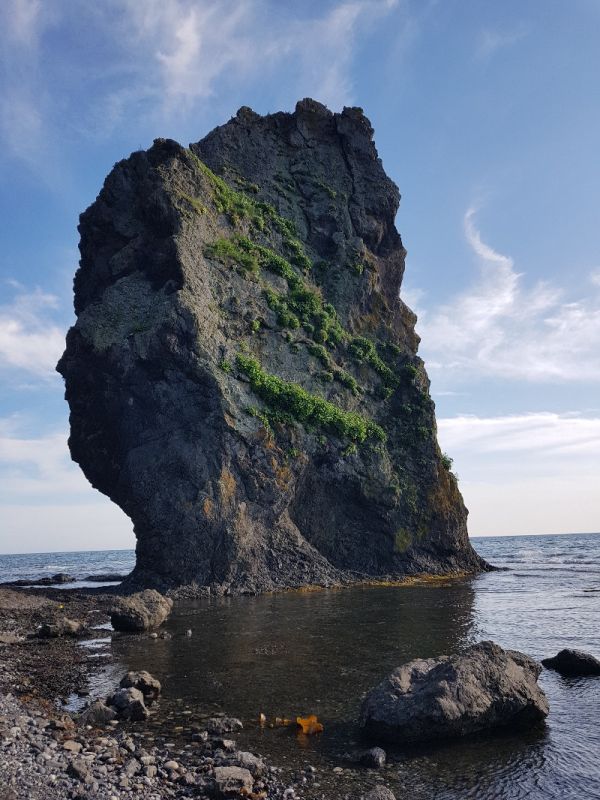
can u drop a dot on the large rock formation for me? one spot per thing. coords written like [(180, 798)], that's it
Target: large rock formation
[(242, 376)]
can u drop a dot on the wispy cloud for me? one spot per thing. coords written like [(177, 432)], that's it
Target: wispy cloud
[(499, 327), (186, 48), (161, 60), (30, 340), (489, 42)]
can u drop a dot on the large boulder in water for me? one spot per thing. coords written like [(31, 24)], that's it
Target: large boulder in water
[(485, 687), (243, 377), (573, 663), (140, 611)]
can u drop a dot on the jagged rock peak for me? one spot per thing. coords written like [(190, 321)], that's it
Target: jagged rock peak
[(243, 378)]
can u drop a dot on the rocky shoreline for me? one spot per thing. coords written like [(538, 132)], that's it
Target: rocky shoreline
[(48, 753)]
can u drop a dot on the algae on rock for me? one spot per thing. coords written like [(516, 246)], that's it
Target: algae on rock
[(243, 377)]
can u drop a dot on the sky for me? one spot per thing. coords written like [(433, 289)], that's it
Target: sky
[(486, 115)]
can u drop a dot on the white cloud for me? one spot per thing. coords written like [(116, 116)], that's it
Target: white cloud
[(30, 340), (527, 473), (498, 327)]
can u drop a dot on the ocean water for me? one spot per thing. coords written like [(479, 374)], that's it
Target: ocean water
[(32, 566), (319, 652)]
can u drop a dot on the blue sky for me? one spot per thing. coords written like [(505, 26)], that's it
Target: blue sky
[(487, 116)]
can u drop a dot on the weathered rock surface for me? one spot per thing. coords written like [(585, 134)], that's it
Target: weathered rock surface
[(129, 704), (141, 611), (97, 714), (147, 684), (573, 663), (243, 378), (437, 698)]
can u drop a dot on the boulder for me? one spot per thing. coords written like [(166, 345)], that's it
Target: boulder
[(140, 611), (573, 663), (97, 714), (148, 685), (437, 698), (129, 704), (233, 780)]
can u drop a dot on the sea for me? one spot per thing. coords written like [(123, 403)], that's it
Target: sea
[(299, 653)]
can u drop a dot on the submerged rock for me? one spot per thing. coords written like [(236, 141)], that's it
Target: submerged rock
[(573, 663), (141, 611), (485, 687), (148, 685), (243, 377)]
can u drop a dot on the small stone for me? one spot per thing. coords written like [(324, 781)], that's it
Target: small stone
[(79, 769), (150, 771), (72, 746), (132, 767), (173, 765)]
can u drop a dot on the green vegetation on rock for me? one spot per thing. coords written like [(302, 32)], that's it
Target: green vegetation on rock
[(305, 407)]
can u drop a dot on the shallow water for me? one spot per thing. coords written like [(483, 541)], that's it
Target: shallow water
[(298, 653)]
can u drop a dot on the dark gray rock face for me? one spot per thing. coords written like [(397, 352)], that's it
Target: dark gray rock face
[(438, 698), (141, 611), (573, 663), (242, 376)]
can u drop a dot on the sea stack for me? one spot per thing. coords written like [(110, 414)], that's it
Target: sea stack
[(243, 377)]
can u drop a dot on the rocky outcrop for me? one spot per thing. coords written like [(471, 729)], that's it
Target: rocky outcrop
[(438, 698), (140, 611), (573, 663), (243, 377)]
